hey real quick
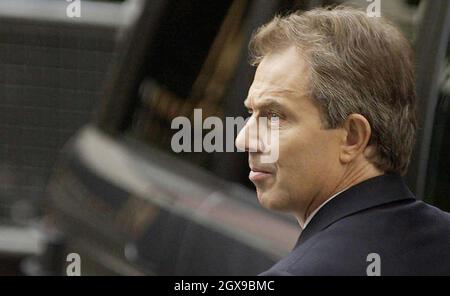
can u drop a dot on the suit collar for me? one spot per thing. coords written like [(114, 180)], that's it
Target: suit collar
[(367, 194)]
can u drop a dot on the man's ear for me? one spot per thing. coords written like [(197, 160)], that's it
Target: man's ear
[(356, 137)]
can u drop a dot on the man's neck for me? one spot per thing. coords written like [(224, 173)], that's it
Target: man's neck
[(347, 180), (305, 223)]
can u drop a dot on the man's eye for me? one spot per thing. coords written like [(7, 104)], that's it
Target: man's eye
[(272, 116)]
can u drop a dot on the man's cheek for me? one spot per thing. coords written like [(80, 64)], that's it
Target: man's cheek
[(273, 148)]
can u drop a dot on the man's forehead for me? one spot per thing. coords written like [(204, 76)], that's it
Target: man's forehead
[(282, 88), (270, 89), (259, 92), (283, 74)]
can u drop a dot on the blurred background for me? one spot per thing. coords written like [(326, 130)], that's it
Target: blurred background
[(88, 90)]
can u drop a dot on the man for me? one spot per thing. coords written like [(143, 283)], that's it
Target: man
[(340, 86)]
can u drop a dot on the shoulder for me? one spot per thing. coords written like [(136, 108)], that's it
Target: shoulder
[(325, 255), (407, 238), (335, 251)]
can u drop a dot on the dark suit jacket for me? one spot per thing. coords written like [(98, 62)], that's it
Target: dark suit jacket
[(379, 215)]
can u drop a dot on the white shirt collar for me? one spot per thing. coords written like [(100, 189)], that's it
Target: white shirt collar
[(304, 224)]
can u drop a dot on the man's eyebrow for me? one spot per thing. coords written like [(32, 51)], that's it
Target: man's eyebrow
[(269, 101), (265, 104)]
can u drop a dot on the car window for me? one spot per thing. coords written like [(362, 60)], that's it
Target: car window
[(438, 176), (198, 49)]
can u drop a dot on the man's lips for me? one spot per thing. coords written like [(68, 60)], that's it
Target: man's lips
[(258, 174)]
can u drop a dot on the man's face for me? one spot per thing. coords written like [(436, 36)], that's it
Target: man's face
[(308, 162)]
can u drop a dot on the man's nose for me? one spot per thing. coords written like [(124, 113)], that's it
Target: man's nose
[(247, 139)]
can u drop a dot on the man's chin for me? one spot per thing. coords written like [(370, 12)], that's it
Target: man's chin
[(269, 200)]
